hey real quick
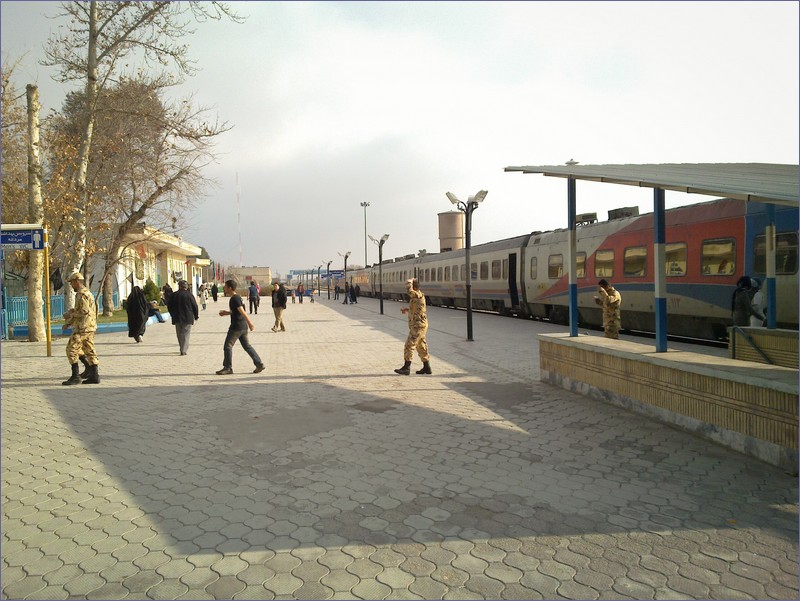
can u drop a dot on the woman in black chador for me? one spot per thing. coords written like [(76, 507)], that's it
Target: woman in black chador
[(137, 308)]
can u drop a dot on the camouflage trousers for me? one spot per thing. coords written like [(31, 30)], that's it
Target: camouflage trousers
[(611, 327), (82, 344), (416, 339)]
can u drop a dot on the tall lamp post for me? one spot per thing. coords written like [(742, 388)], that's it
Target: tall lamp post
[(365, 205), (328, 275), (319, 291), (380, 244), (347, 254), (468, 208)]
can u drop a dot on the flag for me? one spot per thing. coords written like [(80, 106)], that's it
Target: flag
[(130, 279), (56, 281)]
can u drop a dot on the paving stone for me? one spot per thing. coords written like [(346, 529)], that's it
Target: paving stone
[(485, 483)]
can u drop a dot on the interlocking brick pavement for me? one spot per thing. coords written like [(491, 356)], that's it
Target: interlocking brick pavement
[(327, 476)]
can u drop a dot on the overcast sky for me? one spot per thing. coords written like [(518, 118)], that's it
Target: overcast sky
[(395, 103)]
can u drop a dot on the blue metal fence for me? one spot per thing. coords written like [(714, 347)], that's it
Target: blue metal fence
[(16, 309)]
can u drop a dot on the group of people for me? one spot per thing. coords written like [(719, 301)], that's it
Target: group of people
[(351, 291), (747, 303), (746, 306)]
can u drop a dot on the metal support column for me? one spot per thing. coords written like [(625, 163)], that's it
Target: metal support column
[(660, 275), (572, 258)]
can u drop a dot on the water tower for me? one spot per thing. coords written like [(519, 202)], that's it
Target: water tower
[(451, 230)]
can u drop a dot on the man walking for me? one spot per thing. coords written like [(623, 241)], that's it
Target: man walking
[(252, 296), (278, 306), (83, 320), (240, 323), (183, 309)]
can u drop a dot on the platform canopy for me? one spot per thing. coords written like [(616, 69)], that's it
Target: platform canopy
[(763, 182)]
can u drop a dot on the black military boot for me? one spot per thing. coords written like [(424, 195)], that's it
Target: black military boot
[(405, 370), (426, 368), (94, 376), (85, 372), (74, 378)]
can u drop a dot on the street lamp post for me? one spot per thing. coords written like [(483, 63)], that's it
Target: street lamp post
[(328, 275), (380, 244), (365, 205), (319, 291), (347, 254), (468, 208)]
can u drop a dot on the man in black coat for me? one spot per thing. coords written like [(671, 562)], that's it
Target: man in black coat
[(184, 311), (137, 308)]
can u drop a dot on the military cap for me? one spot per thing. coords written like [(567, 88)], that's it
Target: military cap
[(75, 275)]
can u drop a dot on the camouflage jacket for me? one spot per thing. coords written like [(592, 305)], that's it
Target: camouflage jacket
[(83, 317), (417, 312)]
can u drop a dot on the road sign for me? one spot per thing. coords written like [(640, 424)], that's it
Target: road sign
[(23, 239)]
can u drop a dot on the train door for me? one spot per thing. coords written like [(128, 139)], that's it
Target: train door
[(512, 280)]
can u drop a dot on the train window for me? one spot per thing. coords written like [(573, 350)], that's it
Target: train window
[(785, 254), (427, 275), (580, 265), (447, 274), (484, 270), (534, 267), (634, 262), (496, 270), (439, 274), (555, 266), (474, 269), (676, 256), (719, 256), (505, 269), (604, 264)]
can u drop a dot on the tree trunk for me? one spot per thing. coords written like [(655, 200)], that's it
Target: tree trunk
[(75, 254), (36, 325)]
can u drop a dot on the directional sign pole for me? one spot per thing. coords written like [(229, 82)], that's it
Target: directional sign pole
[(48, 335)]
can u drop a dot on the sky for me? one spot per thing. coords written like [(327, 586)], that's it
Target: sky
[(396, 103)]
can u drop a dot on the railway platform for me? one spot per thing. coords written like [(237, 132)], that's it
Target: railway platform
[(328, 476)]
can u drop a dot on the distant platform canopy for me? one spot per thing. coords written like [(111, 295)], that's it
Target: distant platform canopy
[(762, 182)]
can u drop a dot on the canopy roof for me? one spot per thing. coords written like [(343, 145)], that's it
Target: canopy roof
[(764, 182)]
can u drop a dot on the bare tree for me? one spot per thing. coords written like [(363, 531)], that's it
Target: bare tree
[(92, 49), (36, 325)]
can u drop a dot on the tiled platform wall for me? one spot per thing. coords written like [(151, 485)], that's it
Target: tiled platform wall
[(729, 403)]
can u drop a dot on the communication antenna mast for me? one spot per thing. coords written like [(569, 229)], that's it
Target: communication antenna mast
[(239, 220)]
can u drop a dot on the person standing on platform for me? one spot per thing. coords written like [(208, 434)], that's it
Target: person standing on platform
[(183, 310), (610, 300), (742, 303), (758, 304), (214, 291), (417, 330), (346, 292), (353, 298), (278, 306), (83, 320), (336, 291), (240, 323), (301, 290), (138, 310), (252, 296)]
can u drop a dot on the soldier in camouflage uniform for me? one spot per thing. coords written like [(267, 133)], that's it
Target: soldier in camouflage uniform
[(610, 300), (417, 330), (83, 320)]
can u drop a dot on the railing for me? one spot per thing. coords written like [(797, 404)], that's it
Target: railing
[(16, 309)]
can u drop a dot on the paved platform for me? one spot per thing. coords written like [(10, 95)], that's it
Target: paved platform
[(327, 476)]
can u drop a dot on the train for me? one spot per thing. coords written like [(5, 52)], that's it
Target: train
[(709, 246)]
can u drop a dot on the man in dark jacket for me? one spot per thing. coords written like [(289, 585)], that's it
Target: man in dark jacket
[(183, 310), (278, 306)]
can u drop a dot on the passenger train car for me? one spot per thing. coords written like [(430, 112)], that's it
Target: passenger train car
[(709, 246)]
